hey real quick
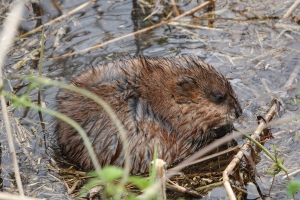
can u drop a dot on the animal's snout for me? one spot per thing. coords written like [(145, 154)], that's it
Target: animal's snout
[(238, 111)]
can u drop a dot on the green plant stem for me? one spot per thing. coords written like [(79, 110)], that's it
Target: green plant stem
[(266, 151)]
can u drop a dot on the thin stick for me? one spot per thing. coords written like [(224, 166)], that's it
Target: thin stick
[(246, 146), (215, 155), (56, 19), (291, 10), (175, 187), (175, 8), (10, 25), (134, 33), (194, 10)]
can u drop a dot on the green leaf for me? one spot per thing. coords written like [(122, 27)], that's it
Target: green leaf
[(20, 101), (32, 86), (140, 182), (292, 187), (111, 173)]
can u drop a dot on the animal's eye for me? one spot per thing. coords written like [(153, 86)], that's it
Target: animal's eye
[(218, 97)]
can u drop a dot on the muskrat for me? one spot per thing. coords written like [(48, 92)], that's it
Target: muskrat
[(172, 103)]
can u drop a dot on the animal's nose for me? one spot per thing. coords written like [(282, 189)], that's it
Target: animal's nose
[(238, 112)]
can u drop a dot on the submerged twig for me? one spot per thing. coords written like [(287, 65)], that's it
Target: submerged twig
[(215, 155)]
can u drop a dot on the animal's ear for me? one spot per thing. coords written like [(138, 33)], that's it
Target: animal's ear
[(186, 81), (185, 84), (185, 90)]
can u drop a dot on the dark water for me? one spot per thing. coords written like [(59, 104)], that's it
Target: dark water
[(245, 40)]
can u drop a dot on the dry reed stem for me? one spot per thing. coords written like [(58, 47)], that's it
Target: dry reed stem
[(215, 155), (161, 177), (177, 188), (193, 26), (73, 187), (56, 19), (246, 146), (292, 77), (134, 33), (175, 8), (291, 10), (10, 25), (157, 190), (210, 186)]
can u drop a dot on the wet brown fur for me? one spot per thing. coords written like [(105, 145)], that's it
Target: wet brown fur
[(168, 102)]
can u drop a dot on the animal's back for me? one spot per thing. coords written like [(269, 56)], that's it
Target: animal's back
[(161, 102)]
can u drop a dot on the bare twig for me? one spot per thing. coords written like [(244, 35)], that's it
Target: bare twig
[(56, 19), (210, 186), (193, 26), (71, 190), (194, 10), (161, 177), (175, 187), (215, 155), (246, 146), (175, 8), (292, 77), (10, 25), (291, 10), (134, 33)]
